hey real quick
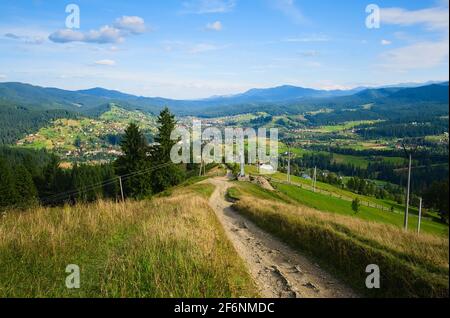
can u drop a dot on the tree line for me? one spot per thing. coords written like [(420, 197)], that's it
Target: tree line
[(404, 130), (36, 177)]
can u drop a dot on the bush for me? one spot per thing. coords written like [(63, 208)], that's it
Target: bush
[(356, 205)]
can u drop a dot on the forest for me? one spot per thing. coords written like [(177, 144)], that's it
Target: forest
[(29, 177), (18, 121)]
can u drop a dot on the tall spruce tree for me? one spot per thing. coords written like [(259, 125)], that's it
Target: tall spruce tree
[(166, 125), (134, 160), (172, 174), (25, 188), (8, 193), (110, 189)]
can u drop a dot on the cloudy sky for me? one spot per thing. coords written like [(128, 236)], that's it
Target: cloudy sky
[(199, 48)]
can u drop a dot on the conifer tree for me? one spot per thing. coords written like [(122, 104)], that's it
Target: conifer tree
[(172, 174), (134, 160), (8, 194), (166, 125), (25, 188)]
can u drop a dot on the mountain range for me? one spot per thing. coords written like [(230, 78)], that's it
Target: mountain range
[(96, 100), (25, 108)]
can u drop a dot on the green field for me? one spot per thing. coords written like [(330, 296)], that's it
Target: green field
[(345, 126), (326, 202), (335, 205)]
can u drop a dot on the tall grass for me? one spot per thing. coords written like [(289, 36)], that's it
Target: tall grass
[(168, 247), (411, 265)]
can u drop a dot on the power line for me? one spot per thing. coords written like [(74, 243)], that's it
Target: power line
[(68, 194)]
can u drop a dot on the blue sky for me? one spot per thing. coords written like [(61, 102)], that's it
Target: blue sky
[(200, 48)]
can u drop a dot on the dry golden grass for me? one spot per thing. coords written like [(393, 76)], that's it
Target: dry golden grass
[(168, 247), (352, 244), (426, 247)]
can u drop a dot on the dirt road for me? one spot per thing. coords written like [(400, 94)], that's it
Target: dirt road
[(279, 271)]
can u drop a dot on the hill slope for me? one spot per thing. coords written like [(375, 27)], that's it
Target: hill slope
[(167, 247), (411, 265)]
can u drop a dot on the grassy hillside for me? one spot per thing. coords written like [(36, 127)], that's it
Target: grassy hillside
[(339, 192), (335, 205), (411, 265), (294, 194), (88, 138), (167, 247)]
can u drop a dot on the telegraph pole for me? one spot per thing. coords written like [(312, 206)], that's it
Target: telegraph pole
[(121, 189), (315, 178), (420, 216), (408, 193), (408, 153), (289, 165)]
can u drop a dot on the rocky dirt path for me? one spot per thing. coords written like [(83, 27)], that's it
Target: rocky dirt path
[(279, 271)]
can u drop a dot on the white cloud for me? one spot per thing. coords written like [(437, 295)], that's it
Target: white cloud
[(290, 9), (421, 55), (123, 27), (25, 38), (215, 26), (132, 24), (105, 62), (386, 42), (2, 76), (433, 18), (105, 34), (208, 6)]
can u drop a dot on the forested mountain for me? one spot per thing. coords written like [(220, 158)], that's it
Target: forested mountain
[(31, 107), (435, 92), (280, 94), (46, 98), (293, 99), (17, 121)]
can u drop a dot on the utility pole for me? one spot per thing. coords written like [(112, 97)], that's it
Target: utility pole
[(408, 193), (289, 165), (121, 189), (408, 153), (420, 216), (315, 178)]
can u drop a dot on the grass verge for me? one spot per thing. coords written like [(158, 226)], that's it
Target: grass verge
[(411, 265), (168, 247)]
